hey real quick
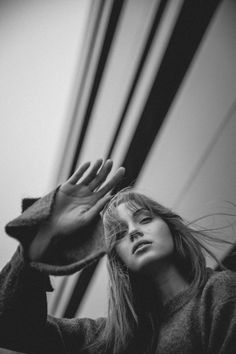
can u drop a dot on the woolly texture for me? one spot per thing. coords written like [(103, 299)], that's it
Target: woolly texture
[(65, 256), (190, 325)]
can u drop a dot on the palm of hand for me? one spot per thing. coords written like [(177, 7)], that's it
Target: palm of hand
[(78, 204)]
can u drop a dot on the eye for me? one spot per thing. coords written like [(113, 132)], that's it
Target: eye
[(120, 234), (145, 220)]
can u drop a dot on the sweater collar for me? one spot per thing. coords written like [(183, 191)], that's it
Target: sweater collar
[(182, 298)]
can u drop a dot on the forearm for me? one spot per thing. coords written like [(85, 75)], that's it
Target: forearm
[(48, 249), (40, 244), (23, 307)]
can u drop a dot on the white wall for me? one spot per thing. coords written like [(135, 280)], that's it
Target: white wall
[(40, 46)]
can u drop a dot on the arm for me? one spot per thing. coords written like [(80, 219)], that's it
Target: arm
[(61, 245), (22, 304), (24, 324), (220, 314)]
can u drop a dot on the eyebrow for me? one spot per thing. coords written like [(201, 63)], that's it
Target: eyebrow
[(135, 214), (139, 211)]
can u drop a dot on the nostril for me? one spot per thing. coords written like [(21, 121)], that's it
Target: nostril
[(135, 234)]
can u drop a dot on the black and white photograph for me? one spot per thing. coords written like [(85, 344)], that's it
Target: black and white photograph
[(118, 177)]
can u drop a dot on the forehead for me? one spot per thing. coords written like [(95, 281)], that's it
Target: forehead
[(126, 211), (123, 205), (123, 211)]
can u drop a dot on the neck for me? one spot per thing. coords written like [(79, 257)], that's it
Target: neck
[(168, 282)]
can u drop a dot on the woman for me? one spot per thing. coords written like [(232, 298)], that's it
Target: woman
[(162, 297)]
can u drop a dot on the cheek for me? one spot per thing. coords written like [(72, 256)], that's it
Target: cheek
[(163, 237), (169, 244)]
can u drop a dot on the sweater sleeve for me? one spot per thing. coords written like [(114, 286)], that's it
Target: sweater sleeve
[(35, 212), (61, 256), (23, 308), (24, 323), (219, 314)]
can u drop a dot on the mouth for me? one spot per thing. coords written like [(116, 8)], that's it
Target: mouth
[(140, 245)]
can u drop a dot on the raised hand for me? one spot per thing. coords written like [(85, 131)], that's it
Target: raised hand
[(80, 199), (77, 205)]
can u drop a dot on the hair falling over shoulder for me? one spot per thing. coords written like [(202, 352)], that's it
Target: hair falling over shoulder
[(132, 321)]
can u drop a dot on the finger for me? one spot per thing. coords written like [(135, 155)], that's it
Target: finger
[(98, 207), (101, 176), (93, 172), (78, 173), (112, 183)]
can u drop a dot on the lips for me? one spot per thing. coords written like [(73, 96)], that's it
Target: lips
[(139, 244)]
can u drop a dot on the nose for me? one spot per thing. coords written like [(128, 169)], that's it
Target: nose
[(133, 235)]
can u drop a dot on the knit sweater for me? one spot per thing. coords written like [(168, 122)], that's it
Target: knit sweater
[(205, 323)]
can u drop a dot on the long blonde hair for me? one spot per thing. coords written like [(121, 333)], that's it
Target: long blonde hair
[(132, 321)]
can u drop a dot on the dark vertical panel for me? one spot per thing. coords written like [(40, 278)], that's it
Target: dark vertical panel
[(95, 21), (89, 54), (189, 30), (151, 36), (110, 31)]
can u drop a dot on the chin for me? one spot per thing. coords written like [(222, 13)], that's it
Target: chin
[(149, 262)]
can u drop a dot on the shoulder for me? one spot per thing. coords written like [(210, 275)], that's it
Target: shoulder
[(75, 324), (220, 287), (79, 326), (76, 332)]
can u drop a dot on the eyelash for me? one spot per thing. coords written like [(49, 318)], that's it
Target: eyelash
[(145, 220), (120, 235)]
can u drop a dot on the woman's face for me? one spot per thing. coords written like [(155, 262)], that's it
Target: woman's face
[(145, 241)]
